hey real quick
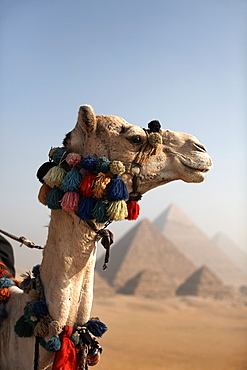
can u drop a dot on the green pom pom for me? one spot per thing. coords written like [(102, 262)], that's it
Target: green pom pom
[(99, 211), (103, 165), (22, 328)]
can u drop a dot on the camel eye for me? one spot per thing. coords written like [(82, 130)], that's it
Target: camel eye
[(136, 139)]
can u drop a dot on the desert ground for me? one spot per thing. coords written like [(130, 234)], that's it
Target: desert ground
[(179, 333)]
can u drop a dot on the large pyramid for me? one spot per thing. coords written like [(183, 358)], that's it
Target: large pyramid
[(205, 283), (145, 248), (237, 255), (189, 239)]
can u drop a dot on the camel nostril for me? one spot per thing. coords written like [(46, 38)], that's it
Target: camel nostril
[(200, 147)]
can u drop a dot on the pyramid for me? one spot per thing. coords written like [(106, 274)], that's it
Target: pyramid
[(144, 248), (101, 287), (205, 283), (190, 240), (149, 284), (236, 254)]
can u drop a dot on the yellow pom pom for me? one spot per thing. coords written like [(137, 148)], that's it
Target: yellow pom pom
[(117, 168), (55, 328), (155, 139), (117, 210), (43, 191), (100, 184), (55, 176), (41, 330)]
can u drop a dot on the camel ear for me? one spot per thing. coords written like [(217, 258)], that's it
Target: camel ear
[(86, 118)]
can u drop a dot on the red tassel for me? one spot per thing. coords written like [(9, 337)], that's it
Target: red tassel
[(133, 210), (65, 358), (86, 185)]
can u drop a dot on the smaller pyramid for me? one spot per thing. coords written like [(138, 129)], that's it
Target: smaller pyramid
[(237, 255), (149, 284), (204, 283), (195, 245)]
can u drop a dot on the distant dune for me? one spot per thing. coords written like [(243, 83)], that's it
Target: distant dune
[(179, 333)]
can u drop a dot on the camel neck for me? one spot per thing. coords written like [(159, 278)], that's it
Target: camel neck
[(67, 268)]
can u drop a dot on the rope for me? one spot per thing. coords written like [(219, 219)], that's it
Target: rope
[(21, 239), (36, 354)]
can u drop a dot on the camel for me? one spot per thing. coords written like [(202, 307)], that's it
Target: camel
[(67, 267)]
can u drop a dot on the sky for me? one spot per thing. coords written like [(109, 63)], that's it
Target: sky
[(180, 62)]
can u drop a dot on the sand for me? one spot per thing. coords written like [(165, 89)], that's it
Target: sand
[(180, 333)]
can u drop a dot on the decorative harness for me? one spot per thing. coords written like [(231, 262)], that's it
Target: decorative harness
[(98, 195)]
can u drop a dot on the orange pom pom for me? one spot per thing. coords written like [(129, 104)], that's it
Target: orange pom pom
[(43, 191), (100, 184), (4, 294), (86, 185)]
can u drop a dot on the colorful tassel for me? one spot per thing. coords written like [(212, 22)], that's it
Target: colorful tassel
[(6, 282), (103, 165), (58, 155), (41, 330), (117, 189), (96, 327), (117, 168), (73, 159), (155, 139), (99, 211), (39, 308), (86, 185), (4, 295), (89, 163), (133, 210), (117, 210), (22, 328), (70, 201), (43, 191), (85, 208), (53, 198), (99, 185), (42, 171), (71, 181), (55, 176), (53, 344)]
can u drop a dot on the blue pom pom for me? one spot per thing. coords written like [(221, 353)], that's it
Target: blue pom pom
[(71, 180), (89, 163), (53, 344), (3, 312), (54, 198), (85, 208), (40, 309), (103, 165), (58, 155), (117, 189), (6, 283), (96, 327), (35, 270)]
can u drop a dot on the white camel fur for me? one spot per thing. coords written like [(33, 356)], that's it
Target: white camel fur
[(67, 268)]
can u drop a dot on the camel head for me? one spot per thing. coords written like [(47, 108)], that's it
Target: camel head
[(172, 156)]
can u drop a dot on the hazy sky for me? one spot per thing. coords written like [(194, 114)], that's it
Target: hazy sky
[(182, 62)]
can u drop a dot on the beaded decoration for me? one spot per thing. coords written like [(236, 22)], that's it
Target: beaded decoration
[(90, 187)]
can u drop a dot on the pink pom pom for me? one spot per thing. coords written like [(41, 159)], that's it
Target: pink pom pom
[(70, 201), (73, 159)]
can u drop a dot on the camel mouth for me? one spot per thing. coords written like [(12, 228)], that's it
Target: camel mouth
[(196, 167)]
